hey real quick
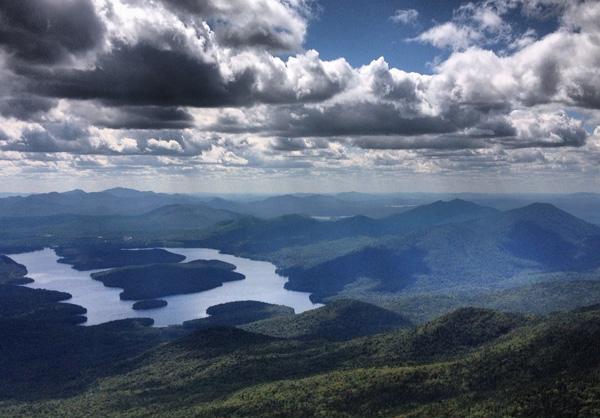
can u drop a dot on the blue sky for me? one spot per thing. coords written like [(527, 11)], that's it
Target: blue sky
[(361, 31)]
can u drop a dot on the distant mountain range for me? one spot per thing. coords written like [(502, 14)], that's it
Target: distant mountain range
[(431, 247), (123, 201), (117, 201)]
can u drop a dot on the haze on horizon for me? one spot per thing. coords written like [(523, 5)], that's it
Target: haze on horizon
[(283, 96)]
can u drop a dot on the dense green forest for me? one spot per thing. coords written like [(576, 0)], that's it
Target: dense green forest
[(103, 257), (471, 362)]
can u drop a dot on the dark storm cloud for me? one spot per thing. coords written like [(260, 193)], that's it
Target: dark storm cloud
[(365, 118), (48, 31), (53, 137), (358, 118), (25, 106), (585, 91), (145, 117), (254, 36), (297, 144), (143, 74), (447, 142), (238, 24)]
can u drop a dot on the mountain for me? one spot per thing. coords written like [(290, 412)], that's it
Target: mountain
[(326, 206), (548, 236), (462, 329), (472, 362), (127, 201), (338, 320), (125, 192), (188, 216), (429, 252), (440, 212), (583, 205), (12, 272), (109, 202), (224, 204), (312, 204), (393, 269), (264, 235), (182, 221)]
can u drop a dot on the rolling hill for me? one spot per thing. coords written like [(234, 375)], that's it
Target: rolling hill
[(254, 235), (472, 362), (338, 320), (180, 221), (439, 246)]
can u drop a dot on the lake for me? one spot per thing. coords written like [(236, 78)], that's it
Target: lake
[(262, 283)]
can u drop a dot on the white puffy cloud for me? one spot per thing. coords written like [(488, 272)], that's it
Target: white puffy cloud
[(450, 35), (404, 16)]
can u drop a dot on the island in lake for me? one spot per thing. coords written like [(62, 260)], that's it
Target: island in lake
[(149, 304), (92, 257), (157, 280), (239, 313)]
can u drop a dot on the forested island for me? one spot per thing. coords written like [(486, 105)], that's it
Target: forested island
[(239, 313), (157, 280), (103, 257), (149, 304)]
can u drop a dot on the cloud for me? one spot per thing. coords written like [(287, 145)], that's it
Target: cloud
[(547, 129), (143, 74), (141, 117), (271, 24), (167, 83), (297, 144), (169, 146), (49, 31), (450, 35), (404, 16), (25, 106)]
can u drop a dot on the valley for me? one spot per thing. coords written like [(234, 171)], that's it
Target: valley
[(447, 306)]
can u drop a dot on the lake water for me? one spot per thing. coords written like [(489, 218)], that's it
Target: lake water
[(103, 303)]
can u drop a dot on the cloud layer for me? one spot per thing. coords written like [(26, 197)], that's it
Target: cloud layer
[(174, 87)]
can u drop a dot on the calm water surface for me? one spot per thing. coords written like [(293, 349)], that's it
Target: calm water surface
[(103, 303)]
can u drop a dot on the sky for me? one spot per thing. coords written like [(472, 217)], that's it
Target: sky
[(279, 96)]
